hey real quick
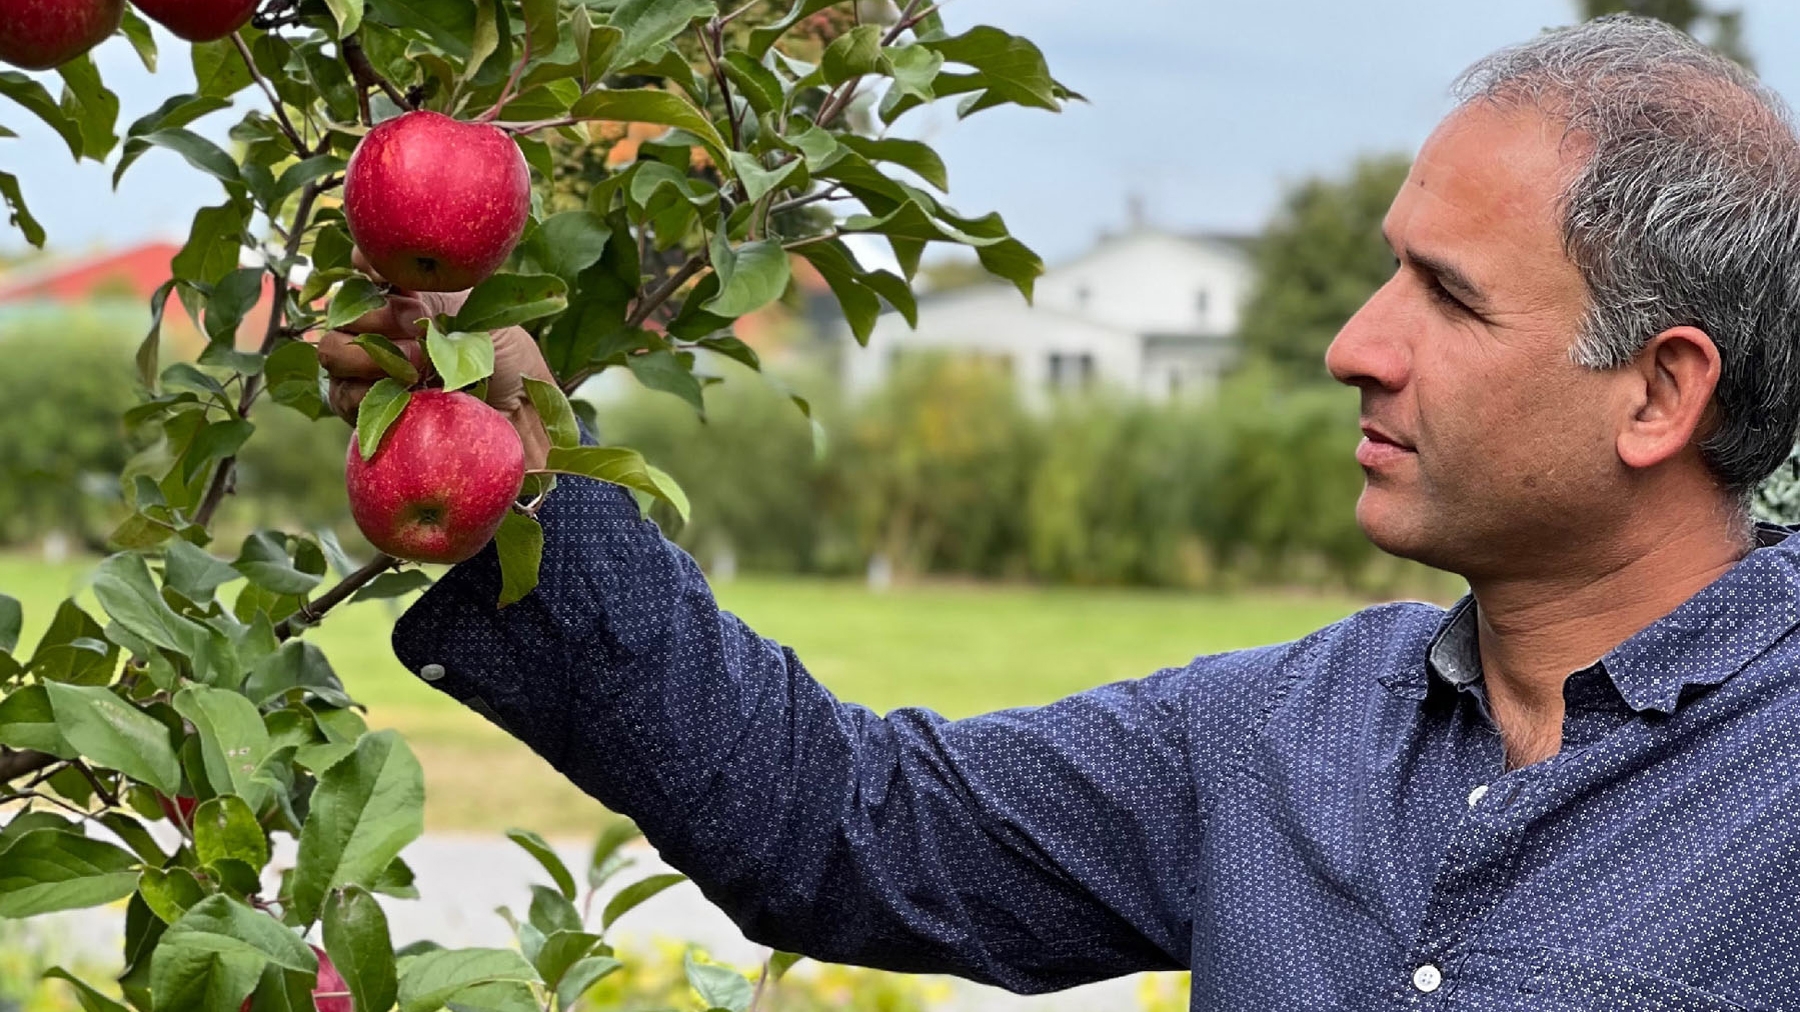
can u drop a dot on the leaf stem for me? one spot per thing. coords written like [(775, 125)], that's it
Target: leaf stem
[(717, 30), (508, 93), (829, 193), (281, 116), (311, 612)]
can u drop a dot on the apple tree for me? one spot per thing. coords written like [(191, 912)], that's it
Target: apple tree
[(674, 160)]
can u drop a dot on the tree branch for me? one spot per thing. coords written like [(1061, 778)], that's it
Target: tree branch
[(663, 292), (224, 479), (311, 612), (365, 73), (23, 762), (281, 116), (731, 114), (111, 799), (507, 94)]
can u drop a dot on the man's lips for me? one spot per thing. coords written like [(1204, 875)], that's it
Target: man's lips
[(1378, 447)]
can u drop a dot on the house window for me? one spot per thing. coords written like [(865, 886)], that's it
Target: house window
[(1200, 302), (1071, 371), (1082, 295)]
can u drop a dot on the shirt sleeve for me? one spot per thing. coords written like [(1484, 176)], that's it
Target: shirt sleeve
[(1034, 849)]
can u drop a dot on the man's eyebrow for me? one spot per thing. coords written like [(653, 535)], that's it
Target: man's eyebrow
[(1446, 274)]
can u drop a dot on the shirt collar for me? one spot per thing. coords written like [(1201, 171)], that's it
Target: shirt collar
[(1707, 639)]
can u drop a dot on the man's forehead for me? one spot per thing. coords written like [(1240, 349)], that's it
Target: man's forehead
[(1489, 176)]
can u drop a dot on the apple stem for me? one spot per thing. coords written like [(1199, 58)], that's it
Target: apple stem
[(508, 93)]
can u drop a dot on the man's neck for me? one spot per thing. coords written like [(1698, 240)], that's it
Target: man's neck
[(1533, 633)]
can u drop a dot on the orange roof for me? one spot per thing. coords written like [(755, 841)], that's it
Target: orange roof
[(133, 273)]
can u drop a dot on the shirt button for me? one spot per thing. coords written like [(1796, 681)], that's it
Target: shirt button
[(1477, 794), (1427, 978), (431, 672)]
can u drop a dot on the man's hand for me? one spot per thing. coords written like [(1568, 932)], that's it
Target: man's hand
[(401, 321)]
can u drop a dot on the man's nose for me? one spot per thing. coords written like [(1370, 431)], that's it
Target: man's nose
[(1369, 350)]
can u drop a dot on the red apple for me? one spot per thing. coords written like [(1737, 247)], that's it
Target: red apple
[(330, 994), (199, 20), (442, 480), (40, 34), (180, 809), (436, 204)]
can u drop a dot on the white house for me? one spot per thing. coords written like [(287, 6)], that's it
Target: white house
[(1148, 312)]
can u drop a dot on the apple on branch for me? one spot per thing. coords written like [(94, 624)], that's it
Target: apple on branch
[(436, 204), (41, 34), (199, 20), (441, 478)]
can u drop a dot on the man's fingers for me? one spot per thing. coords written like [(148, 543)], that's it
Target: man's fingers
[(361, 263), (343, 360), (346, 396), (403, 316)]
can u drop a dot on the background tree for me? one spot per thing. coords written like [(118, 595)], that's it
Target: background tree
[(1721, 29), (1317, 262)]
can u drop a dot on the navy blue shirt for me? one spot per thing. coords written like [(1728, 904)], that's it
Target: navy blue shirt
[(1321, 825)]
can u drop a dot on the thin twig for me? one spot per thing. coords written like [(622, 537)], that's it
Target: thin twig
[(224, 479), (22, 762), (533, 126), (717, 29), (809, 240), (111, 799), (365, 73), (908, 19), (311, 612), (740, 12), (661, 294), (829, 193), (507, 93), (287, 126)]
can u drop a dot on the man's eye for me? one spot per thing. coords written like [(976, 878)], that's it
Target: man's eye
[(1443, 298)]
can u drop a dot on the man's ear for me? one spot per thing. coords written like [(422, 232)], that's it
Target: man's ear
[(1672, 382)]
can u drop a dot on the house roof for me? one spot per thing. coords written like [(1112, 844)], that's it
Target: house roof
[(133, 273)]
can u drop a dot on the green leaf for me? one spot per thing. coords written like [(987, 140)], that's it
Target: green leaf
[(12, 619), (219, 72), (310, 170), (583, 975), (837, 265), (551, 911), (648, 105), (720, 987), (90, 999), (28, 722), (137, 31), (567, 244), (852, 54), (381, 406), (520, 542), (179, 110), (264, 561), (606, 859), (45, 870), (17, 213), (296, 665), (129, 594), (537, 848), (213, 243), (115, 734), (348, 14), (88, 102), (199, 152), (214, 443), (669, 491), (195, 573), (364, 811), (389, 357), (30, 94), (233, 740), (554, 409), (505, 300), (763, 38), (615, 464), (651, 24), (170, 893), (781, 962), (295, 379), (73, 649), (433, 979), (915, 70), (757, 83), (750, 277), (358, 942), (460, 359), (391, 585), (914, 155), (758, 181), (355, 299), (213, 956), (225, 829), (636, 893), (129, 829), (560, 952), (1012, 68)]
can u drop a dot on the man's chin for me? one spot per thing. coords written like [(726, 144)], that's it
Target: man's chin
[(1395, 527)]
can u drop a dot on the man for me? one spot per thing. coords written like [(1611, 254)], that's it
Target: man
[(1575, 790)]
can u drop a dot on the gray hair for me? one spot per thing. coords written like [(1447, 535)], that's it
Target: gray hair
[(1686, 212)]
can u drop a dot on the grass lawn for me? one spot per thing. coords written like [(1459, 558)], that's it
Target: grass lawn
[(957, 649)]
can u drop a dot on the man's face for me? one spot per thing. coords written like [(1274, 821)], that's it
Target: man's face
[(1486, 448)]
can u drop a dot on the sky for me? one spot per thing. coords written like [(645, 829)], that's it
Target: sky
[(1203, 111)]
